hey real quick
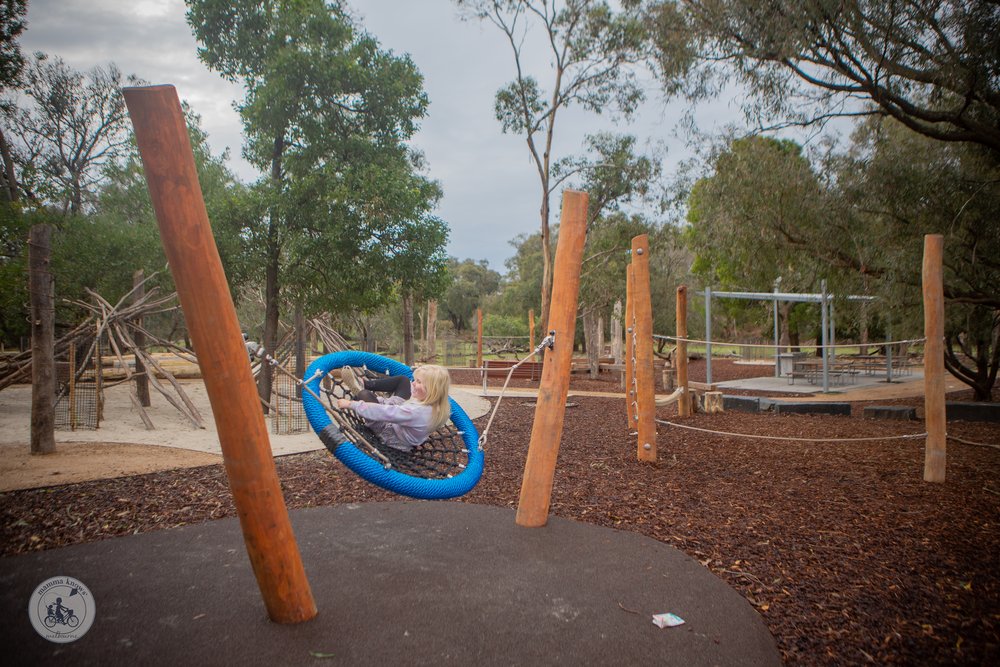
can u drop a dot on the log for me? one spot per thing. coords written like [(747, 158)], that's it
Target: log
[(43, 376), (713, 402), (165, 149), (934, 386), (645, 385), (546, 431)]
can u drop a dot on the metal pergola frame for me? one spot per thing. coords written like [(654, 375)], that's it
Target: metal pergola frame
[(824, 298)]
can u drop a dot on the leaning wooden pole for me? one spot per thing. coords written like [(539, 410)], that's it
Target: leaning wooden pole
[(684, 403), (934, 389), (550, 409), (215, 333), (644, 383)]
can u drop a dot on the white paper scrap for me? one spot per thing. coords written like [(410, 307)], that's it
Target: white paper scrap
[(667, 620)]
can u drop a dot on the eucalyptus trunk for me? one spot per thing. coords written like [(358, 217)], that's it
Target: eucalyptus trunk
[(272, 287), (408, 328)]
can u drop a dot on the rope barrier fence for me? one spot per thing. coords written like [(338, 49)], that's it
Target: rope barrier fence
[(772, 345), (753, 436)]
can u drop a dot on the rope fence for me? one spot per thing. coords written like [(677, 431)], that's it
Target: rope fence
[(753, 436), (772, 345)]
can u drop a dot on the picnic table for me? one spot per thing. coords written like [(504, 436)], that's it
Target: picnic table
[(811, 370)]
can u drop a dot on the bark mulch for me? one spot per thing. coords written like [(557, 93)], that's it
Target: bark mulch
[(842, 548)]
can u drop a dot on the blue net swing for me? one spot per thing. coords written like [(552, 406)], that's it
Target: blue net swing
[(447, 465)]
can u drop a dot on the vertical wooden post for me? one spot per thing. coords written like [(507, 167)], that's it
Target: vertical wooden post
[(684, 403), (43, 375), (644, 381), (139, 338), (628, 379), (215, 333), (550, 409), (531, 330), (600, 338), (934, 389), (432, 318), (616, 332), (479, 337)]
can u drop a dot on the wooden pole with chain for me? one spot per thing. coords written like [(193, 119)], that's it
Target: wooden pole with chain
[(644, 382), (550, 409)]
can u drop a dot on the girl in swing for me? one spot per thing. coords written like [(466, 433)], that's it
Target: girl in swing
[(413, 410)]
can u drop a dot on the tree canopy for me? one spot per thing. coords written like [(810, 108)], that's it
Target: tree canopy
[(326, 115), (592, 50), (930, 64), (62, 128)]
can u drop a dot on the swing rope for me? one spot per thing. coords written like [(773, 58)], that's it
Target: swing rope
[(547, 342)]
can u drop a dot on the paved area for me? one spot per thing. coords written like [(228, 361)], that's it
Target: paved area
[(864, 389), (416, 583), (122, 424)]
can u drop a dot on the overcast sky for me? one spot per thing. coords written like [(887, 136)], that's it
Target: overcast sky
[(491, 191)]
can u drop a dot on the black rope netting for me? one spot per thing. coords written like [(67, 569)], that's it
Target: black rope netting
[(441, 456)]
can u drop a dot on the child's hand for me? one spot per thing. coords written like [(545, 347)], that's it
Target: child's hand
[(343, 403)]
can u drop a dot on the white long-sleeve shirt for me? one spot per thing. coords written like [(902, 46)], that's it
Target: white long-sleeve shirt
[(400, 423)]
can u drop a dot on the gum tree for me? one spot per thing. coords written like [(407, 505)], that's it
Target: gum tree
[(325, 116), (592, 51)]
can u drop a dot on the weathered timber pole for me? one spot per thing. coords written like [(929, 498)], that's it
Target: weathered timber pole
[(644, 382), (550, 409), (934, 389), (684, 402), (531, 331), (215, 334), (43, 376), (432, 318), (139, 338), (479, 337)]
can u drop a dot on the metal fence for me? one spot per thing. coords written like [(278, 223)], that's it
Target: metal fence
[(287, 414), (79, 390)]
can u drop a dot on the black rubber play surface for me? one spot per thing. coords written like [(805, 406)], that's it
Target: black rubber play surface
[(395, 583)]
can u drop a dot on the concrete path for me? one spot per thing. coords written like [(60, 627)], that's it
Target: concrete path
[(122, 423), (415, 583)]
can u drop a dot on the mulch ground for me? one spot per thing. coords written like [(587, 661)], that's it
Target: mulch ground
[(847, 554)]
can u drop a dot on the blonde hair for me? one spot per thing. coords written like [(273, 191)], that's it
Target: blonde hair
[(437, 382)]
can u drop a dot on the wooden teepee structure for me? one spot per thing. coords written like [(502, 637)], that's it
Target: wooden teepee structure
[(120, 325)]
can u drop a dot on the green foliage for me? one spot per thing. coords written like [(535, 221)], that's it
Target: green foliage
[(11, 25), (471, 283), (758, 217), (343, 218), (523, 280), (15, 226), (607, 256), (930, 64), (63, 127), (593, 51), (504, 325), (901, 186)]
